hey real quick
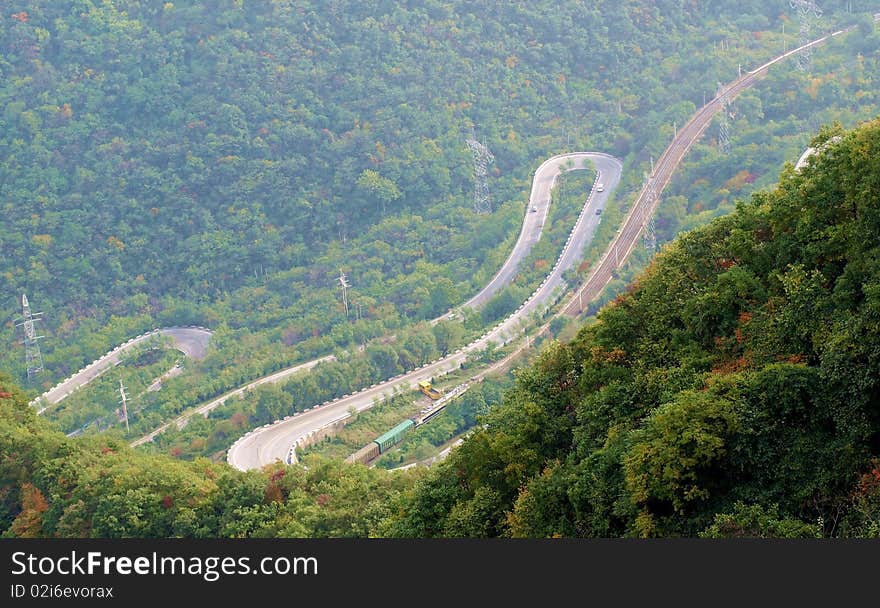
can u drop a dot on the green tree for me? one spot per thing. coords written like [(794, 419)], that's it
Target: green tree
[(378, 187)]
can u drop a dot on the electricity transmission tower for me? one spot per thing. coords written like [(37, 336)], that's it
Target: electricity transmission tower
[(650, 232), (343, 282), (650, 236), (482, 158), (124, 401), (32, 355), (724, 118), (808, 12)]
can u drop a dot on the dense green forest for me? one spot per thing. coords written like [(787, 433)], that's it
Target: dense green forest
[(767, 124), (218, 163), (582, 77), (733, 390)]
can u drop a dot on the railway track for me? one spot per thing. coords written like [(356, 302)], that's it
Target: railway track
[(649, 197)]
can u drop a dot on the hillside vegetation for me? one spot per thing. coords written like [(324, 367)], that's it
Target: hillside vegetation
[(52, 486), (733, 390)]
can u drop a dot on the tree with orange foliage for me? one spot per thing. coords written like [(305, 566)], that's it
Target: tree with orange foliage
[(29, 523)]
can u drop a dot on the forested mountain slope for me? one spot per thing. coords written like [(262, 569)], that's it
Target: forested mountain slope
[(52, 486), (733, 390), (218, 162)]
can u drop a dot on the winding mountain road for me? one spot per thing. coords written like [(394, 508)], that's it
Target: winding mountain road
[(531, 231), (278, 441), (273, 442)]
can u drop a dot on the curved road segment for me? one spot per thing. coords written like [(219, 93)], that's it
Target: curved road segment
[(191, 341), (809, 152), (533, 224), (273, 441)]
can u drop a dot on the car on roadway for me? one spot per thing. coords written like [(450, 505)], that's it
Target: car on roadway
[(600, 187), (534, 209), (599, 211)]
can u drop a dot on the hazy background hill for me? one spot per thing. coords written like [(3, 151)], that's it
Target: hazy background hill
[(218, 162)]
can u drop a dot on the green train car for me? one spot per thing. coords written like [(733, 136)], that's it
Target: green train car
[(386, 440), (371, 451)]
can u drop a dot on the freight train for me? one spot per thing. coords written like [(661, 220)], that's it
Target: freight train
[(372, 450)]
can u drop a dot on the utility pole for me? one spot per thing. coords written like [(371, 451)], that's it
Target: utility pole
[(123, 400), (482, 158), (808, 12), (32, 355), (343, 281)]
